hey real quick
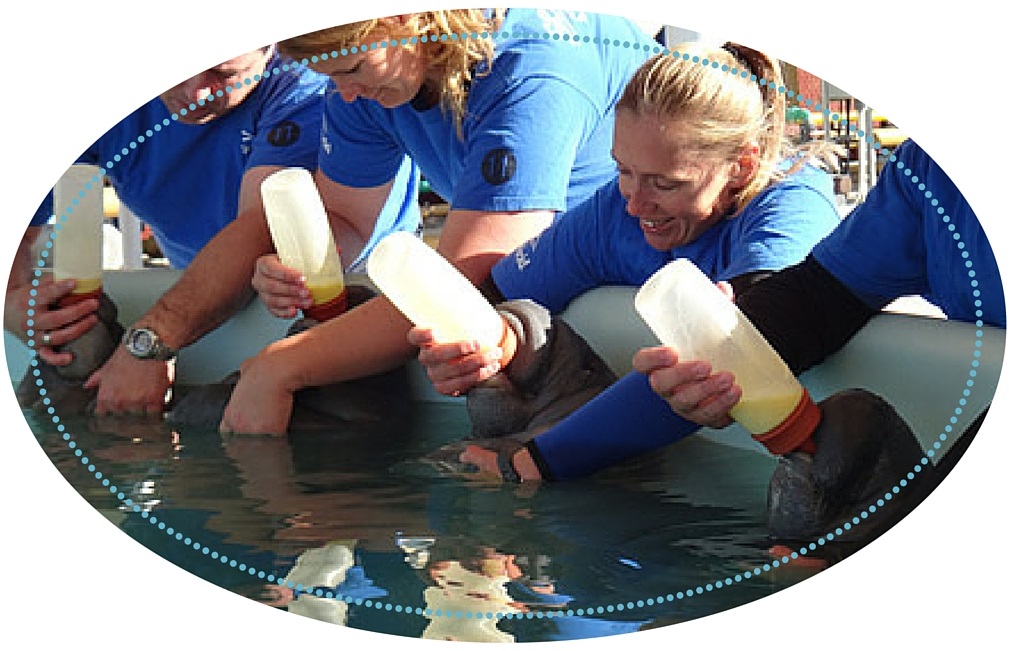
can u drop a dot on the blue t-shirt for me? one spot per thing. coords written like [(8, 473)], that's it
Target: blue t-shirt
[(911, 236), (599, 243), (538, 126), (183, 180)]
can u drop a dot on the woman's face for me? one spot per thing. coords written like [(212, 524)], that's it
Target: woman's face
[(391, 76), (675, 194)]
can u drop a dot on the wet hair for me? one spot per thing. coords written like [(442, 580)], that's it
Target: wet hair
[(723, 111), (456, 40)]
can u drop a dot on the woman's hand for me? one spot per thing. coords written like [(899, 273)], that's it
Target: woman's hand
[(260, 403), (457, 367), (689, 387), (281, 288)]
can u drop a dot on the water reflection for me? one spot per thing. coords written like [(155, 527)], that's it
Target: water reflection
[(329, 526)]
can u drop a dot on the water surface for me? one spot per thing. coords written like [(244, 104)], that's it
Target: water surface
[(371, 540)]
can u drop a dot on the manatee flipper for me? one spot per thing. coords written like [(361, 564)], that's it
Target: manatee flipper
[(863, 450), (445, 462), (553, 372), (64, 385)]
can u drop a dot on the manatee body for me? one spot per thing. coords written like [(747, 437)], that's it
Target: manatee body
[(368, 399), (863, 450), (62, 387), (553, 373)]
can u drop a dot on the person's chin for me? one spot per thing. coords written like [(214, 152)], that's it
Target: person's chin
[(201, 118)]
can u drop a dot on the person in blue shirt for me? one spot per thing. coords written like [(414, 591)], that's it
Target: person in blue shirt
[(913, 235), (508, 114), (196, 181), (188, 178), (701, 175)]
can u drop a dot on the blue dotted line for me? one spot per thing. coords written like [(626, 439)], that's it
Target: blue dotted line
[(427, 612)]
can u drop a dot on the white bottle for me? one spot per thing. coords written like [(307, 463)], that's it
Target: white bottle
[(301, 234), (432, 293), (77, 247), (690, 314)]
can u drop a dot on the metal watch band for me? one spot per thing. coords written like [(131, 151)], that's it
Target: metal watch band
[(156, 350)]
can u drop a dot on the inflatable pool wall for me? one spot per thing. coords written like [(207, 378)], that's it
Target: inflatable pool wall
[(920, 364)]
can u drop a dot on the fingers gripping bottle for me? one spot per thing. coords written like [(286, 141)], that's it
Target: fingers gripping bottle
[(301, 234), (78, 201), (690, 314), (433, 294)]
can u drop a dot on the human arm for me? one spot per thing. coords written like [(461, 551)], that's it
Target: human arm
[(804, 313), (571, 256), (369, 339), (212, 288)]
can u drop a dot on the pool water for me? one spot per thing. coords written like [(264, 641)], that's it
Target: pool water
[(372, 540)]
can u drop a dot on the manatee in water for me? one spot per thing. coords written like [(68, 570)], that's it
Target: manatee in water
[(317, 408), (368, 399), (863, 450), (63, 386), (554, 371)]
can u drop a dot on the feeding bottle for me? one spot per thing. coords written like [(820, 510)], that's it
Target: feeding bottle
[(301, 234), (77, 247), (690, 314), (432, 293)]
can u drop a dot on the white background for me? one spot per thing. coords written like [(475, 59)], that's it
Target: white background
[(74, 69)]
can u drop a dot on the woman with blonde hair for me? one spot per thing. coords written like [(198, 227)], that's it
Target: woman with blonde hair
[(509, 116), (704, 174)]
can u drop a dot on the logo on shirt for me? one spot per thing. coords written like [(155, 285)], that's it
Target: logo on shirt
[(524, 254), (560, 23), (246, 142), (284, 134), (498, 166)]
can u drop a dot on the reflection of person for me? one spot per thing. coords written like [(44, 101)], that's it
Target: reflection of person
[(318, 572), (510, 131), (701, 176), (220, 217), (464, 587), (190, 178)]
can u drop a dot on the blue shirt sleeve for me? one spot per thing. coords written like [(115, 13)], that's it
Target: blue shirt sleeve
[(570, 257), (355, 151), (780, 226), (287, 133), (878, 251), (521, 144)]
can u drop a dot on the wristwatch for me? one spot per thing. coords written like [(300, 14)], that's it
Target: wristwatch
[(144, 343)]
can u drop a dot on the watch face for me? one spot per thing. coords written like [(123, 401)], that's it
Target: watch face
[(142, 342)]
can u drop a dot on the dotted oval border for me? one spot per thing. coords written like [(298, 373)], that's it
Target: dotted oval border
[(427, 612)]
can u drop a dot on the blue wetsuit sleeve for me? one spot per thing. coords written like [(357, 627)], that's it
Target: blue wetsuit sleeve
[(626, 420)]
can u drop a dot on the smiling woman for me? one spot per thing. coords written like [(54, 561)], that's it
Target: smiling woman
[(702, 174)]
